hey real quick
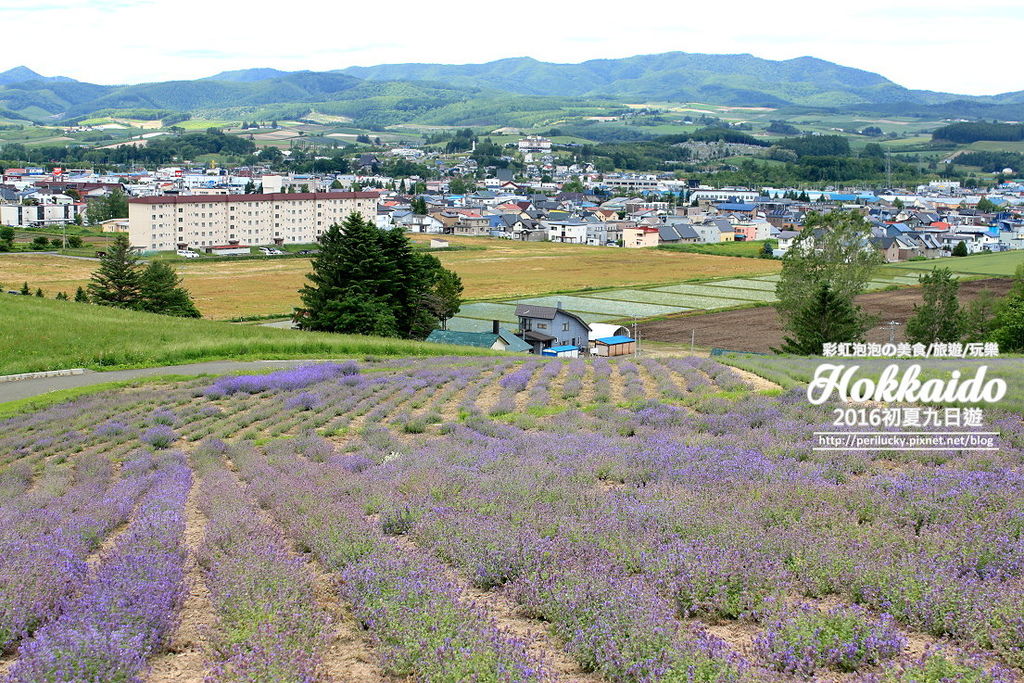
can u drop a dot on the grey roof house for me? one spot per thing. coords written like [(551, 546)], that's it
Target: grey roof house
[(544, 326)]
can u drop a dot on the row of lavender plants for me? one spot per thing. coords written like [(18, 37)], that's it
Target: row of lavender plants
[(939, 550), (416, 617), (47, 535), (107, 630), (269, 625)]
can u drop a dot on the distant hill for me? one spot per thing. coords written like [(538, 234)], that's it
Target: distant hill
[(249, 75), (20, 74), (673, 76), (69, 99), (515, 91)]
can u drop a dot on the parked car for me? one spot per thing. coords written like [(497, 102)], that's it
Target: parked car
[(308, 251), (185, 253), (270, 251)]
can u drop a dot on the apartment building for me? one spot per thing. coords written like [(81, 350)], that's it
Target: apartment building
[(179, 222), (46, 213)]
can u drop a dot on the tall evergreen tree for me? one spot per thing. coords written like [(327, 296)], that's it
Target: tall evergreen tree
[(979, 317), (825, 317), (160, 291), (350, 283), (117, 280), (369, 281), (939, 317), (960, 249)]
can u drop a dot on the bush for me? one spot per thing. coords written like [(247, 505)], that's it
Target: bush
[(843, 639), (937, 666), (398, 522), (159, 437)]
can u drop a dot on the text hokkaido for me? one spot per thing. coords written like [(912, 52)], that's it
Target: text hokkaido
[(890, 387)]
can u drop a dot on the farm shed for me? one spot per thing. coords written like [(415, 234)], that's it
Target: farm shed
[(613, 346), (498, 339), (562, 352)]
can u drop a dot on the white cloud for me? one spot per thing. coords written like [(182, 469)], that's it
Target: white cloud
[(934, 44)]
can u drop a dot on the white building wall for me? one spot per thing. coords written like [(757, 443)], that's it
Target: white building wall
[(246, 219)]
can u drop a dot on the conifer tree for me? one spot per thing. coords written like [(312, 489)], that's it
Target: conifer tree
[(369, 281), (826, 317), (117, 280), (80, 295), (939, 317), (160, 291), (960, 249), (350, 283)]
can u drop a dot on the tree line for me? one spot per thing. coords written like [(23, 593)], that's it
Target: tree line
[(941, 318), (833, 260), (973, 131)]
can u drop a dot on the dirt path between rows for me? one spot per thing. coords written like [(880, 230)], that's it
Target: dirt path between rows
[(506, 615), (348, 656), (187, 648)]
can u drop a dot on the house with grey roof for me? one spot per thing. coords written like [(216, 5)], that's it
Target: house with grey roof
[(545, 326), (677, 233)]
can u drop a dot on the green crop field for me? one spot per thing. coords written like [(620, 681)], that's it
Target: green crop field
[(1001, 264), (42, 334), (751, 249), (653, 300)]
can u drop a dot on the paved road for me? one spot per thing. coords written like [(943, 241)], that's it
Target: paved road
[(49, 253), (26, 388)]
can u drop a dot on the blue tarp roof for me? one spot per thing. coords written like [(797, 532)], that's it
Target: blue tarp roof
[(617, 339), (562, 348), (731, 206)]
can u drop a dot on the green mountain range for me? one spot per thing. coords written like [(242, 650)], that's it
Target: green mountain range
[(501, 92)]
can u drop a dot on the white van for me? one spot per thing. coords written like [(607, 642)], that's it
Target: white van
[(187, 254)]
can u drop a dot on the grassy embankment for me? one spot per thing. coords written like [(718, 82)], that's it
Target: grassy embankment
[(40, 334)]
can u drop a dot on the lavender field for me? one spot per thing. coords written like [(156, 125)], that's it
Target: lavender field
[(494, 519)]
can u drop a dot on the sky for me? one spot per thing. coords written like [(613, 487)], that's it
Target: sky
[(961, 47)]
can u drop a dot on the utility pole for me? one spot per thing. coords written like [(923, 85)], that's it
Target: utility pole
[(693, 339), (893, 324), (888, 169)]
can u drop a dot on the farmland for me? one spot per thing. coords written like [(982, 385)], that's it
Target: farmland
[(655, 301), (496, 268), (758, 329), (497, 519), (1000, 263)]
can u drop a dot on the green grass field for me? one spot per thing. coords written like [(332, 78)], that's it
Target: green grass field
[(751, 249), (1000, 264), (42, 334)]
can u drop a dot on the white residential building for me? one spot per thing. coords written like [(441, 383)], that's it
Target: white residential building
[(724, 194), (53, 210), (178, 222)]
